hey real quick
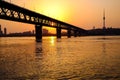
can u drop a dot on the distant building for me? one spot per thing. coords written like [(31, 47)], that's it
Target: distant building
[(93, 27), (104, 26), (45, 31), (5, 31), (1, 32), (33, 32), (27, 33)]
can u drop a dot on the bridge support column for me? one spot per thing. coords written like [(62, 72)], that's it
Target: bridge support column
[(79, 33), (75, 33), (38, 30), (58, 32), (69, 33)]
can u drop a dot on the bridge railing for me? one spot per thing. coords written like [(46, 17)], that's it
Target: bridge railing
[(13, 12)]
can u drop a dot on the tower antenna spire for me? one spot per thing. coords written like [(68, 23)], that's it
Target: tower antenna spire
[(104, 27)]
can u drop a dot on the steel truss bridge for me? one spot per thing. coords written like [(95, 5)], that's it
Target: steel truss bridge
[(9, 11)]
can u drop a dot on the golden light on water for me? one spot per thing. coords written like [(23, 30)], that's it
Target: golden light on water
[(52, 40), (59, 60)]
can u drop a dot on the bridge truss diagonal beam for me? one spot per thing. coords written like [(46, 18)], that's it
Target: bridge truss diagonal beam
[(13, 12)]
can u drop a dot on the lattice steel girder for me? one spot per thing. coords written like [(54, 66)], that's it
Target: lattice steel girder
[(13, 12)]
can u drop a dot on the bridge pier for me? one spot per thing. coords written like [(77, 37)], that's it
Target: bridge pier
[(79, 33), (69, 33), (38, 35), (58, 30), (27, 16), (75, 33)]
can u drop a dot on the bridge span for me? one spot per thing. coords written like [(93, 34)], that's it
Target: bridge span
[(9, 11)]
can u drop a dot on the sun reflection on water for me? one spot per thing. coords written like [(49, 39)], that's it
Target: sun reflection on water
[(52, 40), (60, 59)]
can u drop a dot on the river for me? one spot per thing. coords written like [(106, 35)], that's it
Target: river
[(76, 58)]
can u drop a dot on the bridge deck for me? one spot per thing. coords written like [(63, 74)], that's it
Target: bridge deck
[(13, 12)]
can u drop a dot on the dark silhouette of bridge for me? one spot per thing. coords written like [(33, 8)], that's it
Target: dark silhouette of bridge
[(13, 12)]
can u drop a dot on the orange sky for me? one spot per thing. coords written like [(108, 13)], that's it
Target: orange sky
[(81, 13)]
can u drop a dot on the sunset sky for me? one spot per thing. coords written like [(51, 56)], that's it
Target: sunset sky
[(81, 13)]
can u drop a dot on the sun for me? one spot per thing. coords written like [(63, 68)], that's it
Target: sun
[(53, 10)]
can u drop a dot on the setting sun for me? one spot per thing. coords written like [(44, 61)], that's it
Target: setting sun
[(81, 13), (59, 39), (53, 10)]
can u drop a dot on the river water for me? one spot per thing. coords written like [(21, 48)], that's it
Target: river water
[(80, 58)]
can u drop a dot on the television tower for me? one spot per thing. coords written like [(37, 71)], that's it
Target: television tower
[(104, 27)]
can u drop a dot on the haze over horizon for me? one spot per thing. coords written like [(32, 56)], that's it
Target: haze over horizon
[(82, 13)]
